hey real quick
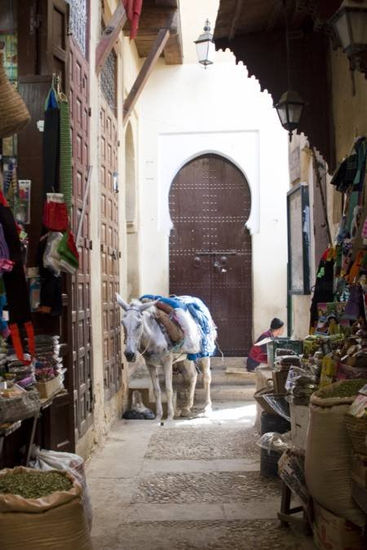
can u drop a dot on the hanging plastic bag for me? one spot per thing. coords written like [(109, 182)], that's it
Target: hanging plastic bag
[(51, 257), (273, 441), (69, 255)]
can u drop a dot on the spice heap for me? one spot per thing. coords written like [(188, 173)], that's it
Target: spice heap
[(34, 484), (349, 388)]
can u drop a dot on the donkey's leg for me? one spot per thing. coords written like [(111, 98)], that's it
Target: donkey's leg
[(167, 365), (207, 378), (190, 375), (153, 370)]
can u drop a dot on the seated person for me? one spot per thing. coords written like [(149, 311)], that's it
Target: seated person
[(258, 352)]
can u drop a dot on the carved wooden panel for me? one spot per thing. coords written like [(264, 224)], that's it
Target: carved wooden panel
[(210, 247), (110, 250), (80, 286)]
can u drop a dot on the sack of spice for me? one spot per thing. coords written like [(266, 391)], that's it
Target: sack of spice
[(328, 450), (46, 460), (41, 510)]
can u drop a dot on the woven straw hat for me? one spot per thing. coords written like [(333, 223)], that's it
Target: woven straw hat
[(14, 114)]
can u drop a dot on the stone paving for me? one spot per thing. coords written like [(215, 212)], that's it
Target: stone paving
[(187, 485), (204, 443)]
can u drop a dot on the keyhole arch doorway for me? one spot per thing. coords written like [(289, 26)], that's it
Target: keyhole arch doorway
[(210, 249)]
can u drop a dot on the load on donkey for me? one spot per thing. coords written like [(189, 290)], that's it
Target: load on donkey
[(166, 331)]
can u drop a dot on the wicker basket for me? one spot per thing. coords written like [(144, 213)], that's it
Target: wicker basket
[(259, 397), (14, 114), (357, 430)]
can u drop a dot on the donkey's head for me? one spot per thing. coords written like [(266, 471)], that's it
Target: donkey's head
[(132, 322)]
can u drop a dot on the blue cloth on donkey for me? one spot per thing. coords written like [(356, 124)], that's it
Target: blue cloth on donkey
[(201, 315)]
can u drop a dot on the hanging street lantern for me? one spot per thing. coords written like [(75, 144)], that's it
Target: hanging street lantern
[(205, 47), (349, 23), (290, 105), (290, 108)]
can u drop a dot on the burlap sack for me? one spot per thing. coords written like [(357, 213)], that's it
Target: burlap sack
[(54, 522), (328, 458)]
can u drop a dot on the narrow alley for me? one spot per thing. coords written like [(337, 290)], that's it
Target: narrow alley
[(192, 484), (183, 275)]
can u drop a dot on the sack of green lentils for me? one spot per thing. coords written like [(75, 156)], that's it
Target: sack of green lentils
[(328, 450), (41, 510)]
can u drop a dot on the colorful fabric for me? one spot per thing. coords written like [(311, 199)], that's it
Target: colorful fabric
[(324, 287), (15, 284), (66, 183), (258, 354), (51, 143), (133, 10), (201, 316)]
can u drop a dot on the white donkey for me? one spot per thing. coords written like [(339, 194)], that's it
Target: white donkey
[(143, 335)]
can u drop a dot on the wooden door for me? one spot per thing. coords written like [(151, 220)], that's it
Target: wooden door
[(210, 247), (110, 251), (43, 50), (80, 287)]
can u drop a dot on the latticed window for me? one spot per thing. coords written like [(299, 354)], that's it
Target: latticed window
[(78, 22), (108, 80)]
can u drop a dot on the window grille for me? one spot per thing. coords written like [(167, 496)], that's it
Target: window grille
[(108, 80), (78, 22)]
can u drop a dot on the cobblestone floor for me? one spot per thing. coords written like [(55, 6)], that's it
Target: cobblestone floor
[(205, 487), (204, 443), (211, 535), (189, 485)]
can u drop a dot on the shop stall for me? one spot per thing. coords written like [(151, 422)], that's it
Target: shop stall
[(320, 385)]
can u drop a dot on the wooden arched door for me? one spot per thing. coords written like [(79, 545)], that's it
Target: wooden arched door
[(210, 246)]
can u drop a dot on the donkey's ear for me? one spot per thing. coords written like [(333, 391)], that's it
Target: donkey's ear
[(142, 307), (121, 302)]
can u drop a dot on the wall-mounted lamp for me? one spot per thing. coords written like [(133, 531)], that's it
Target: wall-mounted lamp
[(349, 23), (205, 46)]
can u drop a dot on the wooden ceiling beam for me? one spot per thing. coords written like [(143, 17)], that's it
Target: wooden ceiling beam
[(173, 51), (146, 70), (109, 36), (154, 18)]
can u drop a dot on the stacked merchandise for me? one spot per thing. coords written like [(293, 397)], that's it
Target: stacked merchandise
[(49, 371)]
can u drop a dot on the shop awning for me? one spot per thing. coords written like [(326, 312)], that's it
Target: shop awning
[(255, 32)]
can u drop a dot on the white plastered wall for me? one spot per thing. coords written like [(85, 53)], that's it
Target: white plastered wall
[(186, 111)]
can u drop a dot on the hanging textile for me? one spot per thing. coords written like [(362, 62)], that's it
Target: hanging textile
[(133, 10), (51, 143), (324, 287), (66, 184), (51, 289), (15, 284)]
